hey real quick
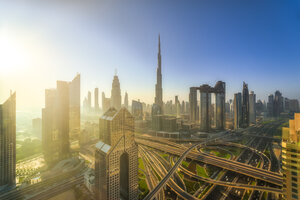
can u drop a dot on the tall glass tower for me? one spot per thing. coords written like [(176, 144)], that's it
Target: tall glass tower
[(158, 86)]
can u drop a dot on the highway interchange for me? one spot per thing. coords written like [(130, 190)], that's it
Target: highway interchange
[(250, 175)]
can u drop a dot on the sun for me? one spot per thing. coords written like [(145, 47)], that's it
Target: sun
[(13, 56)]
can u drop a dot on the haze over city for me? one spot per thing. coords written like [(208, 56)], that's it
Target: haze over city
[(149, 100), (202, 42)]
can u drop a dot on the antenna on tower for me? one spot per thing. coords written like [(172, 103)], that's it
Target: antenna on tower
[(116, 71)]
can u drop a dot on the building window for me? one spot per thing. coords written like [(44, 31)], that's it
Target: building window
[(295, 191), (294, 173), (295, 196), (294, 185), (294, 179)]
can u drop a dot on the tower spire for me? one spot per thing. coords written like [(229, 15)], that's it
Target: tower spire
[(158, 87), (158, 43)]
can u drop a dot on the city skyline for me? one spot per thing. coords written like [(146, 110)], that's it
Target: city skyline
[(138, 100), (188, 58)]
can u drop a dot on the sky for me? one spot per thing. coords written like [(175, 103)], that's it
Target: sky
[(255, 41)]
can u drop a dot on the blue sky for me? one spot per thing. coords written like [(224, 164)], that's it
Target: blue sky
[(202, 42)]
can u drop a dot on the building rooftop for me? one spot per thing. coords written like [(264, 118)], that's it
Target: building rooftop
[(102, 146), (170, 133), (109, 114)]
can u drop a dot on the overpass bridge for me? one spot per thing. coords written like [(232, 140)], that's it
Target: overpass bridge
[(235, 166)]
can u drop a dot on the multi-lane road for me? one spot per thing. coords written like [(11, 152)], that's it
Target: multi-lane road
[(257, 168), (238, 167), (46, 188)]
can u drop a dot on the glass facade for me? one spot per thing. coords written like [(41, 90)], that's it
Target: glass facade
[(291, 158), (116, 133), (8, 141)]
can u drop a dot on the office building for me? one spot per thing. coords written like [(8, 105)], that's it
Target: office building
[(89, 102), (205, 107), (137, 110), (194, 108), (8, 141), (293, 105), (187, 107), (116, 157), (286, 105), (219, 107), (90, 131), (115, 100), (126, 100), (245, 105), (157, 121), (278, 104), (169, 124), (183, 107), (105, 103), (156, 110), (237, 109), (259, 107), (177, 106), (60, 120), (96, 94), (252, 108), (204, 112), (270, 105), (158, 86), (74, 107), (290, 159), (164, 123)]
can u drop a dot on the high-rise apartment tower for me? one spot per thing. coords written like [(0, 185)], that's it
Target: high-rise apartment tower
[(8, 141)]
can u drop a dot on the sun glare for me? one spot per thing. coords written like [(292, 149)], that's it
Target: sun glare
[(12, 54)]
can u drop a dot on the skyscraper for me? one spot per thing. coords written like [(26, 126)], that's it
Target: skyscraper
[(137, 110), (205, 107), (126, 100), (252, 108), (278, 104), (116, 157), (286, 104), (204, 112), (219, 115), (294, 105), (96, 93), (115, 93), (74, 98), (105, 103), (60, 119), (183, 107), (8, 141), (177, 106), (270, 105), (245, 105), (89, 100), (194, 108), (158, 86), (290, 158), (237, 109)]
